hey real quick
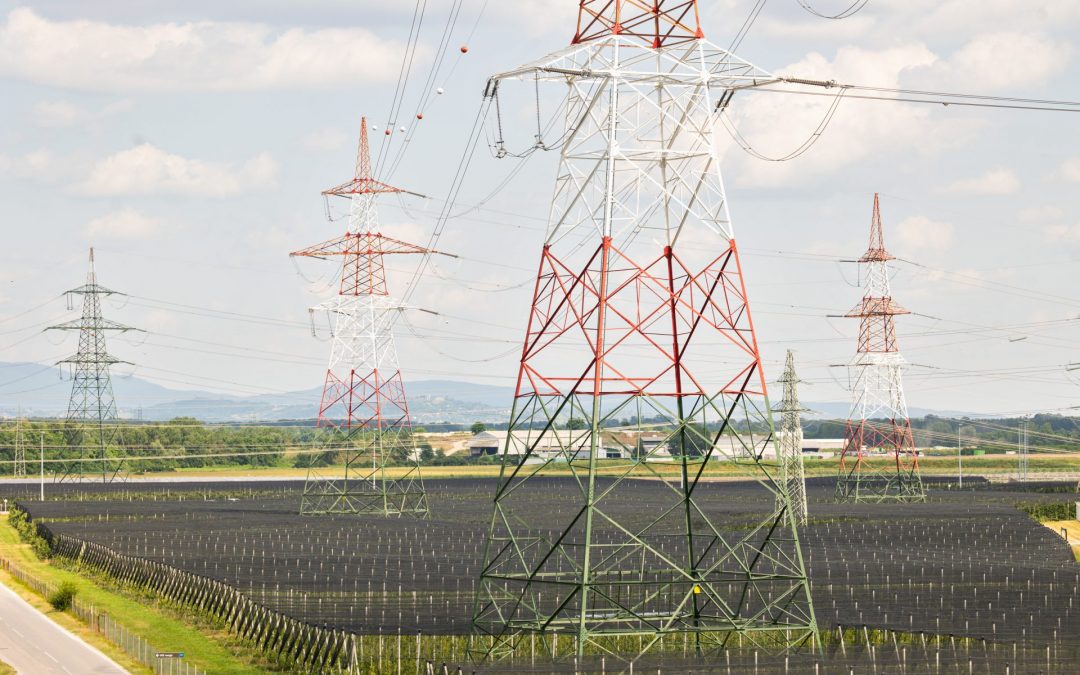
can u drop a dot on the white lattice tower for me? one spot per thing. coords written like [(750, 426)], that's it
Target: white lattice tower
[(878, 461), (639, 294), (363, 402)]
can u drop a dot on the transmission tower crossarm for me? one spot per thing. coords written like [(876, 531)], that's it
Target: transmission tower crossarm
[(871, 306), (717, 67), (93, 288), (102, 358), (367, 186), (360, 244), (97, 324)]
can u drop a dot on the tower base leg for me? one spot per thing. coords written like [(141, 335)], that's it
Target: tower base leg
[(381, 476)]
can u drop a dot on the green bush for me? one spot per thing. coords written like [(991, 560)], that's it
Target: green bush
[(1046, 511), (61, 598), (28, 532)]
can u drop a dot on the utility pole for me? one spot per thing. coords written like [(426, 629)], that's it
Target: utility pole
[(1022, 467), (959, 460), (92, 404), (364, 408), (42, 444), (639, 294), (878, 423)]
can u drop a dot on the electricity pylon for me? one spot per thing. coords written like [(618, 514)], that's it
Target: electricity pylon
[(18, 469), (638, 297), (790, 439), (363, 403), (879, 461), (92, 405)]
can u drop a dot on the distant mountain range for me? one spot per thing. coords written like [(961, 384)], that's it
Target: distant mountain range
[(39, 390)]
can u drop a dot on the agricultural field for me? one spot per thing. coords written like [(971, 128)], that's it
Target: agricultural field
[(965, 583)]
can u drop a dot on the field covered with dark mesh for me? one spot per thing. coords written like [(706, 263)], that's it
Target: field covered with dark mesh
[(966, 565)]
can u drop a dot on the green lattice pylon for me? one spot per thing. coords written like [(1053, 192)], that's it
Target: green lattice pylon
[(640, 371)]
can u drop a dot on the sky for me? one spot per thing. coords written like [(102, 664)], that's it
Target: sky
[(188, 143)]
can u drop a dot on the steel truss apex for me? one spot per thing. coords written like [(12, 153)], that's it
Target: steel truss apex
[(659, 23), (363, 182)]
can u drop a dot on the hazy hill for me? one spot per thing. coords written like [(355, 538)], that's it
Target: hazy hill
[(39, 390)]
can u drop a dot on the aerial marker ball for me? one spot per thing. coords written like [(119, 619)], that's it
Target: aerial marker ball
[(439, 91), (464, 49)]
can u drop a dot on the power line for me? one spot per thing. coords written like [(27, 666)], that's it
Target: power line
[(969, 100)]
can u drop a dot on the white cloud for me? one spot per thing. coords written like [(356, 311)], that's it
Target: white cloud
[(538, 17), (38, 165), (1063, 233), (57, 114), (1000, 60), (958, 17), (1070, 170), (325, 140), (774, 124), (147, 169), (919, 233), (123, 224), (998, 181), (849, 29), (201, 56), (1039, 214), (61, 113)]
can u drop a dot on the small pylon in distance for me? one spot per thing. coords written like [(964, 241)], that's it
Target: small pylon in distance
[(92, 407), (789, 441)]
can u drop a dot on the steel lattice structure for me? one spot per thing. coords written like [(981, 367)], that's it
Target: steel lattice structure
[(92, 405), (790, 439), (638, 295), (18, 469), (878, 462), (363, 405)]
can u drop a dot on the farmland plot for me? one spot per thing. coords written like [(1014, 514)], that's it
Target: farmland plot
[(964, 583)]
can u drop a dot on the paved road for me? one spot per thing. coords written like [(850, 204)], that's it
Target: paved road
[(33, 644)]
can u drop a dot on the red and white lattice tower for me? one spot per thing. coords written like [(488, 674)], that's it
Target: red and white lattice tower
[(363, 401), (639, 360), (878, 462)]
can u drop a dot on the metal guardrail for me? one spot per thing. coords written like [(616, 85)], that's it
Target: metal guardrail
[(162, 663)]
